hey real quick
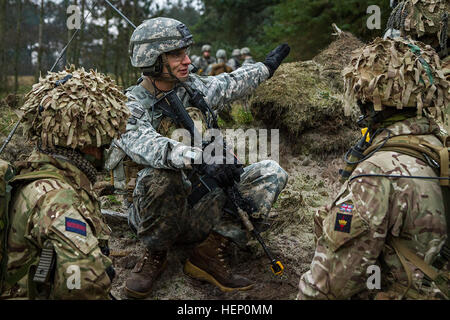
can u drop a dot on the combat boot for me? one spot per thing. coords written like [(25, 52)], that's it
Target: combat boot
[(207, 263), (146, 271)]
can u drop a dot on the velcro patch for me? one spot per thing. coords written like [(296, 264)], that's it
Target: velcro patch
[(343, 222), (136, 111), (76, 226)]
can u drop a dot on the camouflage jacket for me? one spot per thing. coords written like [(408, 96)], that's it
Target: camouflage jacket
[(54, 203), (146, 140), (353, 232)]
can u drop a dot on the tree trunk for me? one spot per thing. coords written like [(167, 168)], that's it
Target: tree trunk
[(18, 46), (74, 44), (79, 52), (3, 71), (40, 50), (105, 44)]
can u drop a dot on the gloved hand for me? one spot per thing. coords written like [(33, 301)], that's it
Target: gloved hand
[(275, 57), (224, 174)]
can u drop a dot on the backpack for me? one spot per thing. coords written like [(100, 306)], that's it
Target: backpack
[(438, 159), (6, 175)]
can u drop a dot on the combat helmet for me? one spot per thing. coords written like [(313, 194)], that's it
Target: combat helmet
[(74, 109), (206, 47), (154, 37), (221, 54), (245, 51), (423, 20), (236, 53), (396, 73)]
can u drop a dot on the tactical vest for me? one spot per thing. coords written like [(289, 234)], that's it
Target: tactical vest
[(123, 169)]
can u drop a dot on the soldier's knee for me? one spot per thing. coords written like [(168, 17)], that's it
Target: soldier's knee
[(273, 169), (158, 181)]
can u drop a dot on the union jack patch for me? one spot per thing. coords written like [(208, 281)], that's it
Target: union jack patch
[(345, 207)]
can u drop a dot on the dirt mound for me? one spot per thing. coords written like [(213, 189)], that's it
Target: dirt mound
[(300, 102), (336, 56)]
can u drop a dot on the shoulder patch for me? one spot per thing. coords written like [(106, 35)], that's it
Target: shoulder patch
[(135, 110), (77, 226), (343, 222)]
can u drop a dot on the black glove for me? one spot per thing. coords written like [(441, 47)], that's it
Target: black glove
[(275, 57), (224, 174)]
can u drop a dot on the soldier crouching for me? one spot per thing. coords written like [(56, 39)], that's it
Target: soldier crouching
[(160, 196)]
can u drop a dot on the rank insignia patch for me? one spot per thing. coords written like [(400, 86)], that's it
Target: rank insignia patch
[(343, 222), (76, 226)]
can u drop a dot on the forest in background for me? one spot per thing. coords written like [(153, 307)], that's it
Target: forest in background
[(34, 32)]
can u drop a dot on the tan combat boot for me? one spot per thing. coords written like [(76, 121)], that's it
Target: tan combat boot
[(146, 271), (207, 263)]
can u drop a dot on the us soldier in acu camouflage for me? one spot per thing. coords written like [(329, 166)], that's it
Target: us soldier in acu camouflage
[(150, 165), (57, 246), (205, 60), (221, 66), (246, 56), (234, 61), (390, 211)]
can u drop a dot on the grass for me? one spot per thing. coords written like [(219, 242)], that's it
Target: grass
[(7, 120)]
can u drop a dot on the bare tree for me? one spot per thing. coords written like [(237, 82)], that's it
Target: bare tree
[(3, 78), (18, 45), (40, 49)]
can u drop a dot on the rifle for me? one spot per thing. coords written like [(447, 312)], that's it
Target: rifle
[(171, 106)]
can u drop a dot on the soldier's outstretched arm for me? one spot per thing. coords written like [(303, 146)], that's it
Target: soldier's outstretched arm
[(144, 145), (352, 237), (227, 87)]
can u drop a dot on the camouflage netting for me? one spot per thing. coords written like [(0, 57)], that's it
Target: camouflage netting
[(87, 110), (420, 18), (337, 55), (397, 73), (300, 102)]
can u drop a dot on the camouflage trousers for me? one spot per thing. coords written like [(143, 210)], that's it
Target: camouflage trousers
[(161, 216)]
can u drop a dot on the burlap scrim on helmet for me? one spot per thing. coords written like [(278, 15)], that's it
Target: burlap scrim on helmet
[(87, 110), (396, 73), (425, 17)]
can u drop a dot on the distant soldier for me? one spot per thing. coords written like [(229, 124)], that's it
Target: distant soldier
[(57, 245), (246, 56), (221, 65), (388, 221), (205, 60), (234, 62)]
